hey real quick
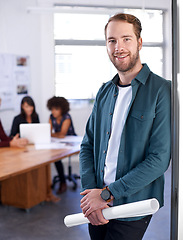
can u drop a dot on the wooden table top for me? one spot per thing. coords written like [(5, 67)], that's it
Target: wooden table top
[(14, 161)]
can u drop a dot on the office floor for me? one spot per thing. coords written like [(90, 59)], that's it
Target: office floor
[(45, 221)]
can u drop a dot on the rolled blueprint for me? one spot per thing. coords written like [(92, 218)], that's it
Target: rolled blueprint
[(136, 209)]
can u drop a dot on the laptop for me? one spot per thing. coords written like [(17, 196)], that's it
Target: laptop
[(36, 133)]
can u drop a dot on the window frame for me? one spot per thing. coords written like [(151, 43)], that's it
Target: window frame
[(76, 42)]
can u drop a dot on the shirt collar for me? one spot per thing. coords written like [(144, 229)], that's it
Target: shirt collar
[(142, 76), (115, 79)]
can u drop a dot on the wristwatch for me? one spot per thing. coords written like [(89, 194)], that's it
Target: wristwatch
[(106, 194)]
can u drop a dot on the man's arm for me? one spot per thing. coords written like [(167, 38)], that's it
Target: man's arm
[(88, 177), (86, 156)]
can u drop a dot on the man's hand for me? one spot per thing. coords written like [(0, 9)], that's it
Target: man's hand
[(97, 218), (92, 205), (18, 142), (92, 201)]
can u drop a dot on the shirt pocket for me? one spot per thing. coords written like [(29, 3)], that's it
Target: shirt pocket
[(140, 124)]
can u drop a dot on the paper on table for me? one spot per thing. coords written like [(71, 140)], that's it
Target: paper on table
[(52, 146), (136, 209), (58, 143), (68, 139)]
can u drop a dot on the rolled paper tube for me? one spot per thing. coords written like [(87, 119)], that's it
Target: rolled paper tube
[(135, 209)]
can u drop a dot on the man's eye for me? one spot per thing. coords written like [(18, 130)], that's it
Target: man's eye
[(112, 41)]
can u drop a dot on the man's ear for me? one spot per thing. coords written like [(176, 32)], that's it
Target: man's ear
[(140, 43)]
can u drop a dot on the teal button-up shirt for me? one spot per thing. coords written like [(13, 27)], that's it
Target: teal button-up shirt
[(144, 151)]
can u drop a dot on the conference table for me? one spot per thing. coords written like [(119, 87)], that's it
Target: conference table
[(25, 173)]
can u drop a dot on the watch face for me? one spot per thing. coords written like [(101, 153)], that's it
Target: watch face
[(105, 195)]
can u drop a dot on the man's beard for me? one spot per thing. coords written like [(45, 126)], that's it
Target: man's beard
[(125, 67)]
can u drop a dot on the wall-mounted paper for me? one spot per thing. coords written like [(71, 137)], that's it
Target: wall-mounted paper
[(14, 80), (136, 209)]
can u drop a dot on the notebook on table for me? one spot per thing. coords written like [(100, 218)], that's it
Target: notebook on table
[(36, 133)]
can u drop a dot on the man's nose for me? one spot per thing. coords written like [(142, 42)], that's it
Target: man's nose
[(119, 46)]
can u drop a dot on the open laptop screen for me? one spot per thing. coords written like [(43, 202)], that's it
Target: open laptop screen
[(36, 133)]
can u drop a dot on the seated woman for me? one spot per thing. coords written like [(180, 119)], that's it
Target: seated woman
[(61, 125), (28, 115), (6, 141)]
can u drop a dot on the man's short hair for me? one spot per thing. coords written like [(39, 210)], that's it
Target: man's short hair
[(129, 19)]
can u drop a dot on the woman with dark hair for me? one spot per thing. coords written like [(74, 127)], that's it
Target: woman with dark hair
[(61, 125), (60, 120), (28, 115)]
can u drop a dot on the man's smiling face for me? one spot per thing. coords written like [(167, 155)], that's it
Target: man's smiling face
[(122, 45)]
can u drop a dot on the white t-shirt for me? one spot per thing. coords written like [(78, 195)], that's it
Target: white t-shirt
[(119, 117)]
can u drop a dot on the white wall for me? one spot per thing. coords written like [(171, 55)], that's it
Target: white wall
[(32, 34), (21, 34)]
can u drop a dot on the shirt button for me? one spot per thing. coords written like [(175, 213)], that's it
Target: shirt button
[(119, 170), (104, 151), (110, 113), (107, 133), (142, 117), (115, 95)]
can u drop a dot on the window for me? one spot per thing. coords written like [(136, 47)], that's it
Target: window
[(80, 70), (81, 60)]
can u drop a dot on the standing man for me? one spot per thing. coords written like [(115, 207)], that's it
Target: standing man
[(126, 147)]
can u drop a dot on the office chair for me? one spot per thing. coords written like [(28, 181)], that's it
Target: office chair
[(71, 177)]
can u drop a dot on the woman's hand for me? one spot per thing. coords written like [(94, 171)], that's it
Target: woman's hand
[(18, 142)]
